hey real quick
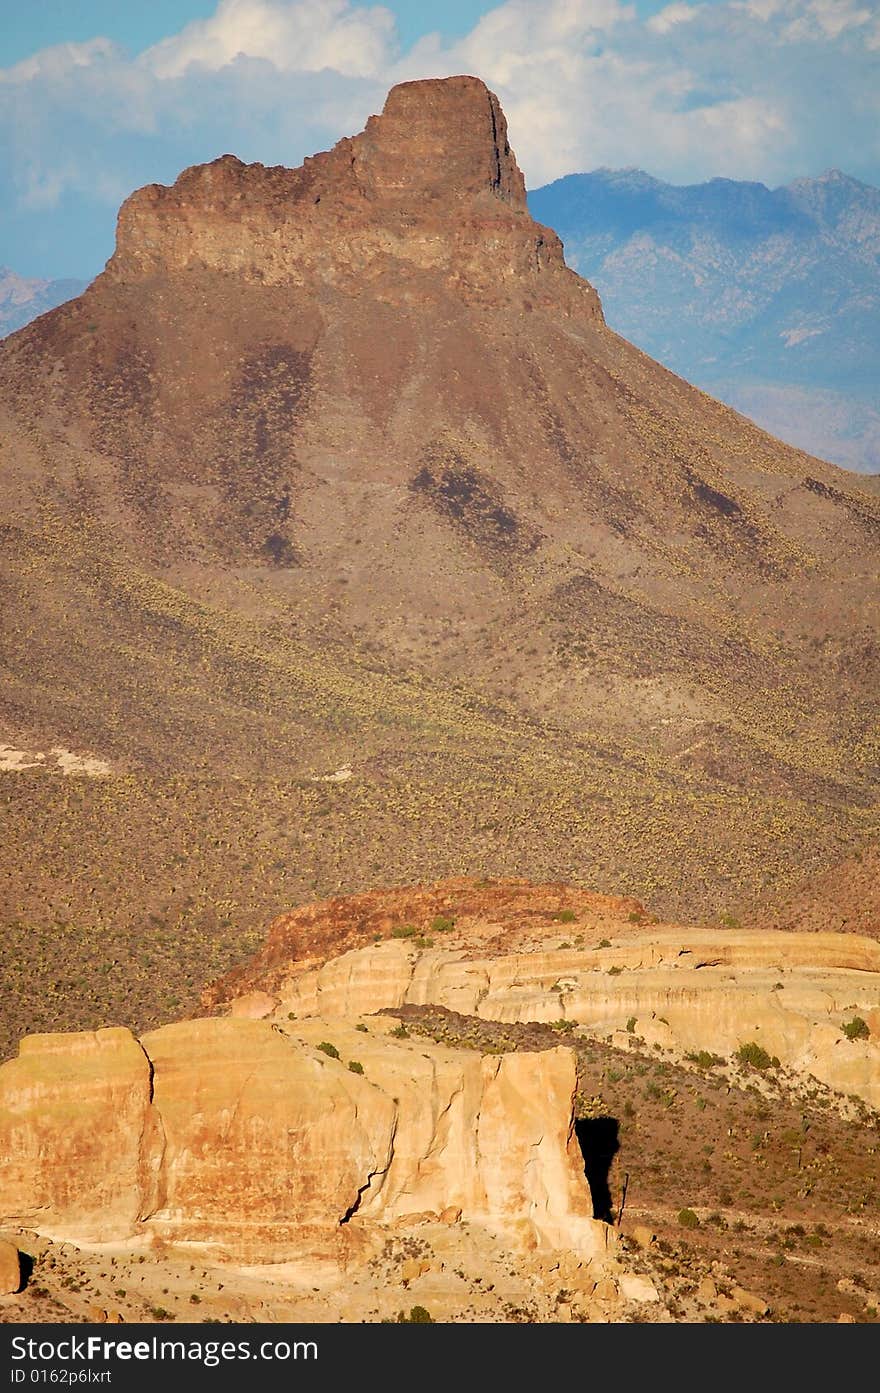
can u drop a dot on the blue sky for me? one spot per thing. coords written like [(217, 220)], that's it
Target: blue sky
[(98, 97)]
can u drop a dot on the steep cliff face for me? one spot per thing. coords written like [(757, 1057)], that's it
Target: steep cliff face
[(431, 185), (255, 1143)]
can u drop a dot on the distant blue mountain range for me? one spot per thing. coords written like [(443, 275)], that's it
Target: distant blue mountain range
[(21, 300), (767, 298)]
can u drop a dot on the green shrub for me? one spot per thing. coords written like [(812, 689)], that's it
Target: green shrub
[(417, 1316), (729, 921), (752, 1054), (614, 970), (631, 1025), (355, 1066), (404, 931), (856, 1029), (564, 916), (604, 943), (360, 1026), (400, 1032), (326, 1048), (688, 1219), (704, 1059), (442, 925)]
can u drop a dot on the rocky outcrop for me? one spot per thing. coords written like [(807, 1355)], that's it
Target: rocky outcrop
[(74, 1115), (266, 1146), (457, 910), (684, 988), (429, 185)]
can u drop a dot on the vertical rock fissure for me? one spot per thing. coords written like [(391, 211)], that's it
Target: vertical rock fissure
[(151, 1140), (371, 1175), (496, 153)]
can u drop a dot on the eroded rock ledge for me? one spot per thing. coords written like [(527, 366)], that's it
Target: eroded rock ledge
[(259, 1146)]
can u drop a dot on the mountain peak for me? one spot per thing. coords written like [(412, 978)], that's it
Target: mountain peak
[(443, 137), (429, 184)]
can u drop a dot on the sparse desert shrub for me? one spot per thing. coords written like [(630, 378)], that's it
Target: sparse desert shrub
[(728, 921), (614, 970), (418, 1315), (688, 1219), (360, 1026), (404, 931), (704, 1058), (604, 943), (355, 1066), (754, 1055), (326, 1048), (631, 1025), (564, 916), (442, 925), (400, 1032), (856, 1029)]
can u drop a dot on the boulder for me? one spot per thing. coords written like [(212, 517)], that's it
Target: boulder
[(634, 1287), (748, 1301)]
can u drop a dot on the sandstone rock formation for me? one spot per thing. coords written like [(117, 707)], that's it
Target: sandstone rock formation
[(251, 1143), (73, 1114), (10, 1267), (684, 987)]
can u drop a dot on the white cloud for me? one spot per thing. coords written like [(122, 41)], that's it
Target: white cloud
[(678, 13), (306, 36), (810, 20), (828, 19), (761, 9), (61, 59)]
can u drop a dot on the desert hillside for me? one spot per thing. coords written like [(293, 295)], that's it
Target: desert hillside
[(344, 545)]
